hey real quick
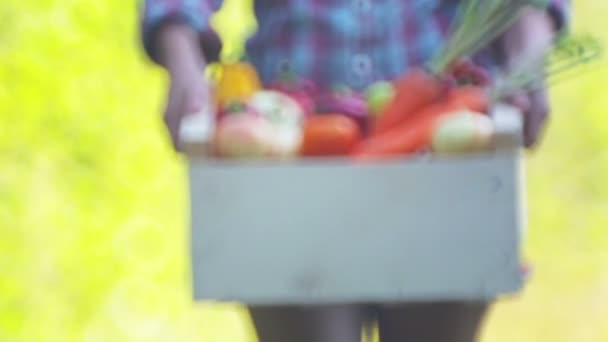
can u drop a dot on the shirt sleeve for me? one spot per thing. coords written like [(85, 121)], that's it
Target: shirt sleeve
[(560, 10), (194, 13)]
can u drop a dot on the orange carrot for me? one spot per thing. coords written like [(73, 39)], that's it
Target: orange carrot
[(473, 98), (414, 91)]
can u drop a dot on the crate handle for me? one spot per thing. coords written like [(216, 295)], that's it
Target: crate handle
[(196, 132), (508, 126)]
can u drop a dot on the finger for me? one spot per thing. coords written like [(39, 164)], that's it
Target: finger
[(535, 119), (171, 122), (171, 115), (195, 100), (521, 100), (523, 48), (198, 97)]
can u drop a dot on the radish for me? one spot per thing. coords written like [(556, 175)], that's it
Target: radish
[(302, 91), (244, 135), (346, 102)]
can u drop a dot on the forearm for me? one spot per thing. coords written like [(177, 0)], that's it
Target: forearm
[(533, 34), (178, 48), (185, 20)]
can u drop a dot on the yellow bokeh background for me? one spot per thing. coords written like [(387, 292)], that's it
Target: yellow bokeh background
[(93, 235)]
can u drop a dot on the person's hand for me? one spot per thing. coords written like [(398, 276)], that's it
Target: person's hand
[(530, 39), (189, 91)]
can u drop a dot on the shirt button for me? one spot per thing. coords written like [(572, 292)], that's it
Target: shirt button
[(284, 66), (362, 65), (363, 5)]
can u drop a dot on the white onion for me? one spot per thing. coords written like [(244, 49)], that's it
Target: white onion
[(463, 132)]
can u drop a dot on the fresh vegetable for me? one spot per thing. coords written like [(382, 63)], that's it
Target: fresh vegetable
[(346, 102), (285, 115), (414, 91), (302, 91), (473, 98), (251, 135), (306, 102), (378, 95), (329, 135), (465, 72), (244, 135), (278, 108), (415, 132), (235, 81), (463, 131), (286, 142), (231, 108), (410, 136)]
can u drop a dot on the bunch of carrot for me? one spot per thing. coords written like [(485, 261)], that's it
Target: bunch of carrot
[(424, 97), (408, 122)]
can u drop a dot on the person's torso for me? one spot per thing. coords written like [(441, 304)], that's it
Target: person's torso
[(348, 42)]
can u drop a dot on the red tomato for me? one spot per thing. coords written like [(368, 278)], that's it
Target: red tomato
[(329, 135)]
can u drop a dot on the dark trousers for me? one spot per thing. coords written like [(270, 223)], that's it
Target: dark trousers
[(416, 322)]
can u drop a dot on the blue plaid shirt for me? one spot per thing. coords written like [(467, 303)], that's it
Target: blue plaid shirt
[(351, 42)]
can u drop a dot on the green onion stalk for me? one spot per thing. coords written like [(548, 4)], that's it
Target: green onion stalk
[(480, 22), (569, 53)]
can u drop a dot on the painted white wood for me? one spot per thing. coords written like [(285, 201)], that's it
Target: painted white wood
[(324, 231), (508, 127), (196, 131)]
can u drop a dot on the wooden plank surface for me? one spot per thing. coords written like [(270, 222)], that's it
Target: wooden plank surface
[(325, 232)]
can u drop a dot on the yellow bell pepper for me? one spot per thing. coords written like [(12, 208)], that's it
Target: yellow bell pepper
[(235, 81)]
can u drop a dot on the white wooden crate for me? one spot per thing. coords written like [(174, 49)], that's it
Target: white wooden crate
[(314, 231)]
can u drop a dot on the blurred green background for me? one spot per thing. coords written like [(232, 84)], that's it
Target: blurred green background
[(93, 236)]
